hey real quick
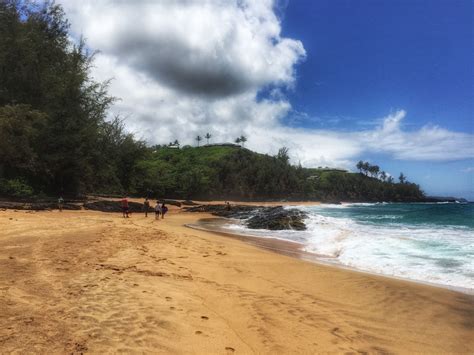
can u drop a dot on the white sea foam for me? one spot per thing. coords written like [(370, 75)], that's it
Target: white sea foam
[(443, 256), (440, 255)]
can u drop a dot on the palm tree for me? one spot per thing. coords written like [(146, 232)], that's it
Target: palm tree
[(199, 139), (208, 136), (243, 139)]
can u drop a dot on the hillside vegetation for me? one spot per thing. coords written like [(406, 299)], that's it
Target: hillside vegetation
[(55, 138), (232, 172)]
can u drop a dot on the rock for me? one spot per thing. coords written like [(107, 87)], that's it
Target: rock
[(170, 202), (258, 217), (189, 203), (37, 206), (113, 206), (234, 211), (277, 218)]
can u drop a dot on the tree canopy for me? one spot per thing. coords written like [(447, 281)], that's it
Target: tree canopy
[(55, 136)]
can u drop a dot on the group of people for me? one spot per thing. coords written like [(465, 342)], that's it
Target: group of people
[(160, 208)]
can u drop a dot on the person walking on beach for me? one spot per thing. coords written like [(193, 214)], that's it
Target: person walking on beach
[(124, 204), (146, 206), (157, 210), (164, 209), (60, 203)]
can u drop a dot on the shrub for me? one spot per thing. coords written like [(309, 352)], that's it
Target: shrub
[(15, 188)]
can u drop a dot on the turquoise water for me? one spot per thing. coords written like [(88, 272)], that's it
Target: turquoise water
[(413, 214)]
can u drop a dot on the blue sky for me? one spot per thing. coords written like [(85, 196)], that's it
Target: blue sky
[(335, 81), (366, 58)]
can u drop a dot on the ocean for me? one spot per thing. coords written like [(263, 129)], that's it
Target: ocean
[(425, 242)]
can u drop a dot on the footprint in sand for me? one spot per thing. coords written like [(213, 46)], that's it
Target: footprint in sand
[(229, 349), (168, 298), (197, 332), (204, 317)]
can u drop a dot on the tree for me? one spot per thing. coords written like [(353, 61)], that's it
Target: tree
[(283, 155), (208, 136), (402, 178), (366, 168), (383, 175), (199, 139), (390, 180), (237, 140), (374, 170), (360, 166), (243, 139), (176, 143), (42, 70)]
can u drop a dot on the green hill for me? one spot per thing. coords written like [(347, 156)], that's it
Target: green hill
[(238, 173)]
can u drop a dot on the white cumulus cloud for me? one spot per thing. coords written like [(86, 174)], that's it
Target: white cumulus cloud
[(185, 67)]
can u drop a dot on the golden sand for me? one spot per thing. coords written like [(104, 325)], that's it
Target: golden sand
[(94, 282)]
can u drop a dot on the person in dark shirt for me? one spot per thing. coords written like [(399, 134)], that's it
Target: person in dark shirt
[(164, 209)]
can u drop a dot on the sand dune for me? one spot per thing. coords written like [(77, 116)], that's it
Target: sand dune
[(95, 282)]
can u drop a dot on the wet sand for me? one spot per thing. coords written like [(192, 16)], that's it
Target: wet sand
[(94, 282)]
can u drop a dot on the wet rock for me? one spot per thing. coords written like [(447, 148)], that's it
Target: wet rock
[(189, 203), (113, 206), (37, 206), (227, 211), (277, 218), (258, 217), (170, 202)]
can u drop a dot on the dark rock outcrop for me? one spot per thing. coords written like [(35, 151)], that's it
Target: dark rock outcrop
[(277, 218), (234, 211), (36, 206), (189, 203), (258, 217), (113, 206), (170, 202)]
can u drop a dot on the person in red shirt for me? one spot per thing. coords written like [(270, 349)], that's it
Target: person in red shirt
[(124, 204)]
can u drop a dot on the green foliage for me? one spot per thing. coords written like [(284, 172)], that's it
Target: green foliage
[(15, 188), (53, 130), (231, 172), (21, 133)]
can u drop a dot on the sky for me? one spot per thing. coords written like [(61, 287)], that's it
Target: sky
[(335, 81)]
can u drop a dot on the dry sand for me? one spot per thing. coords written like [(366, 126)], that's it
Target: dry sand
[(94, 282)]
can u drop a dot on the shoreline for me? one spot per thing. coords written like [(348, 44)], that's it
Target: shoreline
[(84, 281), (294, 249)]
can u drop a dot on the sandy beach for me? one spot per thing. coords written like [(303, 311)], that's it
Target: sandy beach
[(82, 281)]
